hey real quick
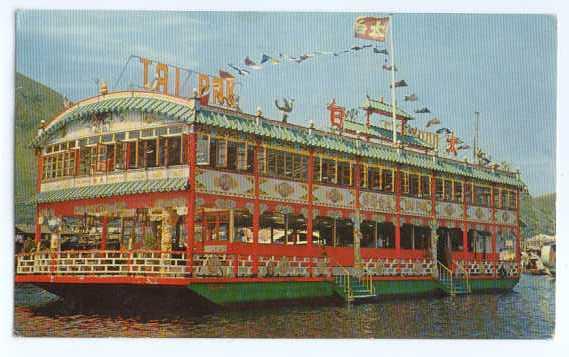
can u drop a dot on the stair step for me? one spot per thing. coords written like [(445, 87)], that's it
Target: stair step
[(363, 296)]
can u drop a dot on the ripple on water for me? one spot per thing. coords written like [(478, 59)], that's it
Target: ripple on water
[(526, 312)]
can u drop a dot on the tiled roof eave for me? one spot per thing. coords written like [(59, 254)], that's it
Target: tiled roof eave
[(113, 190)]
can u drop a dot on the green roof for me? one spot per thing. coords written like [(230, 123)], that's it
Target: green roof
[(155, 105), (351, 146), (383, 133), (113, 189), (275, 131), (380, 106)]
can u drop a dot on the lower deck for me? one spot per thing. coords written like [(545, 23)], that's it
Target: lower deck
[(235, 278)]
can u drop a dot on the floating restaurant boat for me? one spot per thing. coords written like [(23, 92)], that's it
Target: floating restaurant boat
[(148, 190)]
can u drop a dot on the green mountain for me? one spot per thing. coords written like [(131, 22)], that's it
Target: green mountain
[(538, 214), (34, 102)]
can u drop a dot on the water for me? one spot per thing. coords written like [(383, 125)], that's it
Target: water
[(526, 312)]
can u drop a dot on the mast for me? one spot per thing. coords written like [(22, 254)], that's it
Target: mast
[(393, 100), (475, 147)]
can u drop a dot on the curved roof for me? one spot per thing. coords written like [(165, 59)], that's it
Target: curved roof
[(184, 110), (117, 102)]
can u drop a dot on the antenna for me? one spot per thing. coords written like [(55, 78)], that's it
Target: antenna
[(475, 146)]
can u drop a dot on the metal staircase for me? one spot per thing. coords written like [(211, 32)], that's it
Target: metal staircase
[(453, 283), (353, 288)]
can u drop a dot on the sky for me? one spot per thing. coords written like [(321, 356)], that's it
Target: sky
[(503, 66)]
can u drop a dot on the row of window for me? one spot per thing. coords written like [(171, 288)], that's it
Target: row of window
[(162, 147), (456, 191), (116, 156)]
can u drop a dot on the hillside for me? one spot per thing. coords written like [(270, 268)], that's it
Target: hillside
[(538, 215), (34, 102)]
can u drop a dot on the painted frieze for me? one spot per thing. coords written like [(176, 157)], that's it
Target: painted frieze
[(416, 206), (225, 183), (505, 217), (449, 210), (480, 214), (372, 201), (333, 196), (283, 190)]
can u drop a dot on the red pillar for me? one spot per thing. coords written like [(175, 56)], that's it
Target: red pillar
[(37, 236), (493, 229), (433, 189), (256, 209), (190, 216), (518, 232), (465, 223), (40, 171), (103, 245), (309, 227), (398, 212), (357, 186)]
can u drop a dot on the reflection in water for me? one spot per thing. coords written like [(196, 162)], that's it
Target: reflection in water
[(527, 312)]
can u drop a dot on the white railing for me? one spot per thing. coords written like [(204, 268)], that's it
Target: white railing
[(97, 262)]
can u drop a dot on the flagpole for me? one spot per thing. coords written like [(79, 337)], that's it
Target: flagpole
[(393, 101), (476, 120)]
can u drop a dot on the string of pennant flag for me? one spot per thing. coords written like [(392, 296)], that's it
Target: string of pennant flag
[(248, 65), (366, 28)]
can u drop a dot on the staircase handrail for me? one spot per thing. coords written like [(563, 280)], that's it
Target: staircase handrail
[(448, 273), (466, 275), (345, 279)]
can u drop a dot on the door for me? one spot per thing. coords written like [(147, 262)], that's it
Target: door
[(443, 246)]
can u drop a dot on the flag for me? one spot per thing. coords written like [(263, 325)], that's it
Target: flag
[(400, 83), (357, 48), (433, 121), (270, 59), (323, 53), (249, 63), (371, 28), (382, 51), (423, 110), (225, 75), (240, 71), (411, 98)]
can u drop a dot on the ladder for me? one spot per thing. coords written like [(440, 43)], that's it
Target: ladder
[(354, 288), (452, 284)]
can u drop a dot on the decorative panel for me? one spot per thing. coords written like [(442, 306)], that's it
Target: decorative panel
[(449, 210), (416, 206), (225, 183), (283, 190), (333, 196), (372, 201), (482, 214), (505, 217)]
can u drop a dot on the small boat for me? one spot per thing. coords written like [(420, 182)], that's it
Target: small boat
[(548, 257), (534, 265)]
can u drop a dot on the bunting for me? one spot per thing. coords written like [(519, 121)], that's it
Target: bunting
[(248, 65)]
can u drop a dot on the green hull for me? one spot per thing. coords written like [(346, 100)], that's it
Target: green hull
[(239, 293), (243, 293)]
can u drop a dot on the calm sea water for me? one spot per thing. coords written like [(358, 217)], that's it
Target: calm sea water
[(526, 312)]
